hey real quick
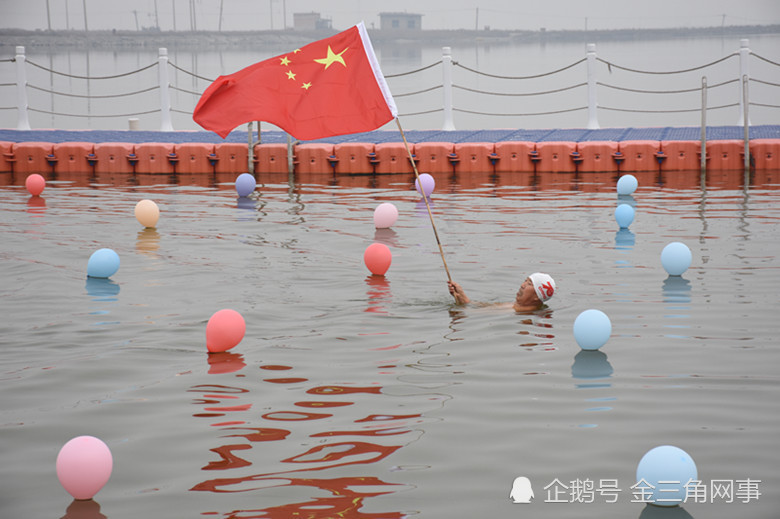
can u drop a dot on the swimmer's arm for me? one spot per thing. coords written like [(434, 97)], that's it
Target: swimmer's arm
[(457, 292)]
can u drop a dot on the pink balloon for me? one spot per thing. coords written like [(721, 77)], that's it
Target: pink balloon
[(428, 183), (385, 215), (377, 258), (224, 330), (84, 465), (35, 184)]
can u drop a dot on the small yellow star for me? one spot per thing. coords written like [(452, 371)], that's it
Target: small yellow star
[(306, 86), (332, 58), (290, 74), (285, 61)]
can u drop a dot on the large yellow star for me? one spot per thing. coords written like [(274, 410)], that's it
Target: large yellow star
[(332, 58)]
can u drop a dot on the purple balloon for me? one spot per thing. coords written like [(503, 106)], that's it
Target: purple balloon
[(245, 184), (428, 183)]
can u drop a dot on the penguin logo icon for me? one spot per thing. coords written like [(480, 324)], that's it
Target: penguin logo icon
[(521, 490)]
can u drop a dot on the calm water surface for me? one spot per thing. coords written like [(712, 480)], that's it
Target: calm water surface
[(360, 396)]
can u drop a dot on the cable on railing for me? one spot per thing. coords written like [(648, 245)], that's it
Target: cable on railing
[(520, 77), (92, 115), (687, 90), (190, 73), (92, 96), (7, 84), (765, 59), (610, 64), (7, 108), (91, 77), (762, 82), (419, 91), (522, 93), (764, 105), (8, 60), (181, 111), (520, 115), (422, 113), (413, 71), (666, 111), (185, 91)]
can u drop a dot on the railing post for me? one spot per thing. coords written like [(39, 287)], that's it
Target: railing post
[(23, 122), (165, 97), (446, 61), (744, 55), (593, 118), (703, 162), (746, 119)]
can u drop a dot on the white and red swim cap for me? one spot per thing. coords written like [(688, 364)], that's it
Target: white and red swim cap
[(543, 284)]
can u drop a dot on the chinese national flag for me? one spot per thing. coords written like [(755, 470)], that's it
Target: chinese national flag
[(330, 87)]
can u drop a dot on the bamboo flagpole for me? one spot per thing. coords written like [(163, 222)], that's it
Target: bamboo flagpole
[(425, 197)]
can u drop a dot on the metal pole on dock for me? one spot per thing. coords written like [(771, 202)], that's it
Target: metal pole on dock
[(22, 121), (593, 119), (165, 96), (446, 62), (744, 55), (250, 159), (703, 123)]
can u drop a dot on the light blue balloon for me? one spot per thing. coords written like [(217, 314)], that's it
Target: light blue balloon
[(624, 215), (245, 184), (627, 184), (103, 263), (676, 258), (667, 469), (592, 329)]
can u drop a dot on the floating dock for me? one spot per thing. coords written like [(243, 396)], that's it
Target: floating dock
[(383, 152)]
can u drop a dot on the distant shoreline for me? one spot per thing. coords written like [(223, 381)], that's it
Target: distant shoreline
[(10, 38)]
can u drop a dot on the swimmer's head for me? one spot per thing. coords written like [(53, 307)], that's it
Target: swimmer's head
[(544, 285)]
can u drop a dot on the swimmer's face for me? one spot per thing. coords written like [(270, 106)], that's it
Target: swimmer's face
[(526, 292)]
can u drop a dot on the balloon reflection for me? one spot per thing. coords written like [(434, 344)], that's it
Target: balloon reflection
[(147, 241), (591, 365), (664, 512), (102, 289), (83, 509), (627, 199), (225, 362), (36, 206), (624, 239), (379, 294), (677, 296), (387, 236)]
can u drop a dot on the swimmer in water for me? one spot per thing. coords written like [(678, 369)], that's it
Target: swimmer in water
[(534, 291)]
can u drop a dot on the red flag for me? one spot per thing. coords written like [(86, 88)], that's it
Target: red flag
[(330, 87)]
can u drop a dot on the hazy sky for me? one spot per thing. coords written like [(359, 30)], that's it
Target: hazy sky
[(437, 14)]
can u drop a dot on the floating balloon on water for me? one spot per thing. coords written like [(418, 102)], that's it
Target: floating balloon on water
[(427, 182), (225, 329), (627, 184), (103, 263), (385, 215), (35, 184), (592, 329), (147, 213), (624, 215), (84, 465), (377, 258), (676, 258), (666, 470), (245, 184)]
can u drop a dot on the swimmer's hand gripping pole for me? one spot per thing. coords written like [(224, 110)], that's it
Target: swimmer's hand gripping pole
[(427, 205)]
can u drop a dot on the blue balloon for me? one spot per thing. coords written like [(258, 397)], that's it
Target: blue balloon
[(624, 215), (103, 263), (627, 184), (592, 329), (245, 184), (676, 258), (663, 473)]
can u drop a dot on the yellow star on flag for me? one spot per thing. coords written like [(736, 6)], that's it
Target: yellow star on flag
[(332, 58), (285, 61), (306, 86), (290, 74)]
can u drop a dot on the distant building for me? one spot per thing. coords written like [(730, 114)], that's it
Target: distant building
[(310, 22), (400, 21)]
